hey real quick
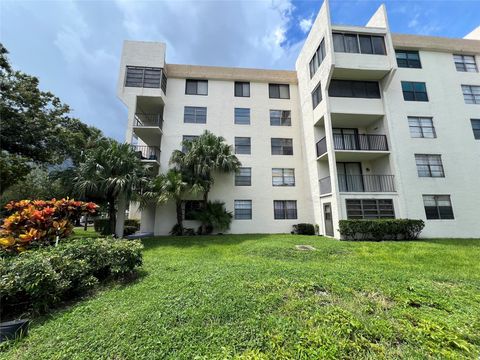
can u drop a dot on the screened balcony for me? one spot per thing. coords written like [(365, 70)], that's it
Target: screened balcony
[(359, 183), (147, 153)]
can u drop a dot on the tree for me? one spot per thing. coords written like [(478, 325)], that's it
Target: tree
[(113, 171), (165, 187), (214, 216), (202, 157), (36, 127)]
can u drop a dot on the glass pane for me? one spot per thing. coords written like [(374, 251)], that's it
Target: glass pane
[(378, 45), (351, 44), (246, 89), (284, 92), (338, 42), (274, 91), (365, 44), (202, 88), (191, 87)]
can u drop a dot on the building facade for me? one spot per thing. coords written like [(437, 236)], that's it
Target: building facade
[(370, 125)]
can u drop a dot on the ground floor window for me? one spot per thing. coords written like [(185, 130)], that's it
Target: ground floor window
[(370, 209), (243, 209), (285, 209), (189, 208), (438, 207)]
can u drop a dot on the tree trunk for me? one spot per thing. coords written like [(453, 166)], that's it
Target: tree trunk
[(86, 223), (205, 202), (120, 221), (178, 207), (111, 214)]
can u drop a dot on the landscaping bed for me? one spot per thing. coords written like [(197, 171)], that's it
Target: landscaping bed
[(257, 297)]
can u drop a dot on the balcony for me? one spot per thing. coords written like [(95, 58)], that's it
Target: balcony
[(354, 147), (148, 127), (150, 154), (366, 183)]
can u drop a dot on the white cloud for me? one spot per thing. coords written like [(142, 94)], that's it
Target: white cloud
[(306, 24)]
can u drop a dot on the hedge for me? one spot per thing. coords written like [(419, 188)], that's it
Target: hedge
[(304, 229), (102, 226), (381, 229), (34, 281)]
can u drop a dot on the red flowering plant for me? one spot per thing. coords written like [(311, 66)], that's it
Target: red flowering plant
[(33, 223)]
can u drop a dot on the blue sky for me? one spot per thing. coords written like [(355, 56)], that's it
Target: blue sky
[(74, 46)]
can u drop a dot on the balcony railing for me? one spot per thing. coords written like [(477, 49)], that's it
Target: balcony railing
[(148, 120), (147, 152), (360, 142), (321, 147), (366, 183), (325, 185)]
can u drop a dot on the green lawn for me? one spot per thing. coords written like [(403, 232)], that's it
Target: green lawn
[(256, 297)]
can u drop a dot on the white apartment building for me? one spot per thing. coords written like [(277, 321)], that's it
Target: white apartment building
[(370, 125)]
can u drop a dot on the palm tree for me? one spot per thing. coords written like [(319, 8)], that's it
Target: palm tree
[(165, 187), (114, 171), (202, 157)]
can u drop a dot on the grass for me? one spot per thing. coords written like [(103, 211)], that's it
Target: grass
[(256, 297)]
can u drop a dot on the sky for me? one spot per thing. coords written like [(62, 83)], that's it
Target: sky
[(74, 47)]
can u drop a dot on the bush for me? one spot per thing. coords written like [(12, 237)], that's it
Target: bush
[(213, 216), (381, 229), (304, 229), (36, 280), (102, 226)]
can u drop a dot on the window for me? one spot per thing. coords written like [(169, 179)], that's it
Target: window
[(242, 116), (282, 146), (285, 209), (421, 127), (359, 43), (243, 209), (438, 207), (196, 87), (146, 77), (471, 94), (414, 91), (279, 91), (317, 96), (280, 117), (370, 209), (408, 59), (187, 138), (429, 165), (195, 115), (190, 207), (242, 145), (356, 89), (476, 128), (317, 58), (243, 177), (465, 63), (242, 89), (283, 177)]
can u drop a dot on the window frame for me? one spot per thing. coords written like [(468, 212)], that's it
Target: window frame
[(317, 58), (241, 146), (436, 198), (414, 92), (196, 81), (474, 93), (240, 179), (236, 210), (476, 131), (428, 165), (364, 212), (285, 215), (358, 45), (242, 83), (278, 86), (282, 120), (283, 176), (284, 148), (236, 116), (317, 95), (409, 63), (462, 66), (195, 114), (420, 126)]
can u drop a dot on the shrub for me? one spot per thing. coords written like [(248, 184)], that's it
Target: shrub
[(39, 223), (304, 229), (381, 229), (102, 226), (213, 216), (36, 280)]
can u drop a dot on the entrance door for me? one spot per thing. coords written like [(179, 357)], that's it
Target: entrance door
[(327, 215), (350, 176)]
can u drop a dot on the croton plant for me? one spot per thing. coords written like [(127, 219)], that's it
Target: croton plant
[(32, 223)]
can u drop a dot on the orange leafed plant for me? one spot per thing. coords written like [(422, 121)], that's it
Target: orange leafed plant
[(37, 222)]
